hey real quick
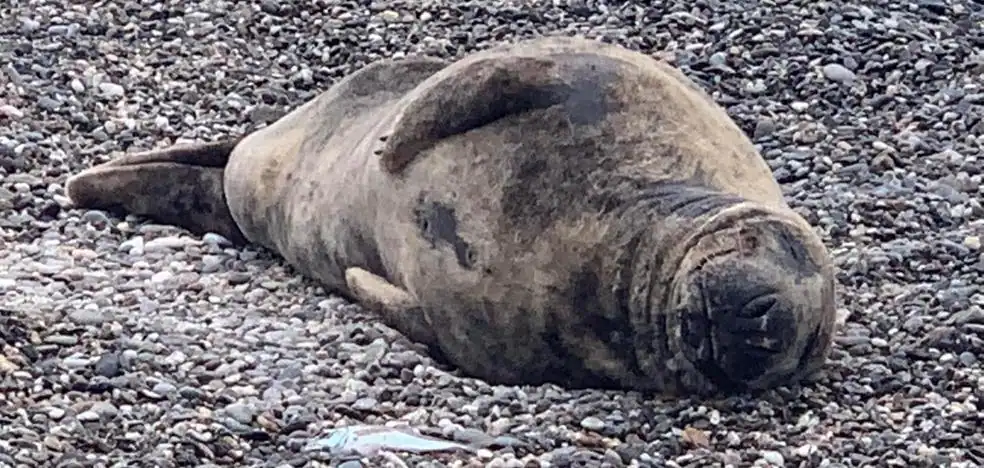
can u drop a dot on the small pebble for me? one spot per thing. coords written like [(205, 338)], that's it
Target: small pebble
[(592, 423), (837, 72)]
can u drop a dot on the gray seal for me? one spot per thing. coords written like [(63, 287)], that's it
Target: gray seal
[(555, 210)]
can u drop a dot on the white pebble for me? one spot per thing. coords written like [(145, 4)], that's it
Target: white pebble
[(56, 413), (592, 423), (29, 25), (773, 458), (212, 238), (166, 243), (305, 75), (161, 277), (881, 146), (76, 362), (63, 201), (176, 358), (838, 72), (134, 246), (88, 416), (11, 111), (389, 15), (111, 90), (805, 450), (799, 106), (7, 367), (7, 283)]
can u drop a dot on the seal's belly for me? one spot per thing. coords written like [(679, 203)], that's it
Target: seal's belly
[(301, 191), (510, 297)]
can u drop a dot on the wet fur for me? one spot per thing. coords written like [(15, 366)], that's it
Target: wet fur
[(529, 210)]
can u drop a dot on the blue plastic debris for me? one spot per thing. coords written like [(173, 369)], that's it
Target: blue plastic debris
[(367, 440)]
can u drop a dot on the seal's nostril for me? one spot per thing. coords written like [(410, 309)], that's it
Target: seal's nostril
[(758, 307), (749, 330)]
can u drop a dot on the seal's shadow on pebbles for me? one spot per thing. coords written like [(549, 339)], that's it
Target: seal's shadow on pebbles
[(553, 210)]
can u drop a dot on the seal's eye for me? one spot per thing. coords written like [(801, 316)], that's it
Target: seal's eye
[(424, 224), (747, 242), (471, 256)]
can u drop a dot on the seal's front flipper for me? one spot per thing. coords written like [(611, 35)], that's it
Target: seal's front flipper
[(469, 95), (181, 185), (398, 308)]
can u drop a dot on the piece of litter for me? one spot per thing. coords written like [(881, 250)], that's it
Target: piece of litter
[(367, 440)]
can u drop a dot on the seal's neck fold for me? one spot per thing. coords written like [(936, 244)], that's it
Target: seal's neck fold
[(656, 223)]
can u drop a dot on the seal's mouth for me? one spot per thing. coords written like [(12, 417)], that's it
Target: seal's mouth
[(735, 346)]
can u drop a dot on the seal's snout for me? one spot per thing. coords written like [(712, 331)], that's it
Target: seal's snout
[(756, 311), (739, 328)]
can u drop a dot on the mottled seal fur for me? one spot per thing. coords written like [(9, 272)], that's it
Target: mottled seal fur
[(554, 210)]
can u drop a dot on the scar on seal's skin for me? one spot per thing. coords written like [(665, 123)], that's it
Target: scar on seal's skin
[(584, 294), (437, 223)]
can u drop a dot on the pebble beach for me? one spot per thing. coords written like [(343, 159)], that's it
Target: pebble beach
[(125, 343)]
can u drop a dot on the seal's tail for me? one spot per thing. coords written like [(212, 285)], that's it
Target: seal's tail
[(181, 185)]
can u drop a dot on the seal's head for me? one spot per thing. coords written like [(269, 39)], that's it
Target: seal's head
[(752, 303)]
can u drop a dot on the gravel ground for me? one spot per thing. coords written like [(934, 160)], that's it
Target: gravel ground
[(126, 343)]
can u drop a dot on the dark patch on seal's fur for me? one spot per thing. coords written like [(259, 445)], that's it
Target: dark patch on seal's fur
[(811, 347), (569, 176), (583, 103), (437, 223), (579, 175), (563, 171), (615, 331), (492, 89), (684, 199), (793, 255), (585, 98)]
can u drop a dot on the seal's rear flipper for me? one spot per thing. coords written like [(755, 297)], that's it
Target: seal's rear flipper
[(214, 154), (181, 185), (397, 307)]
